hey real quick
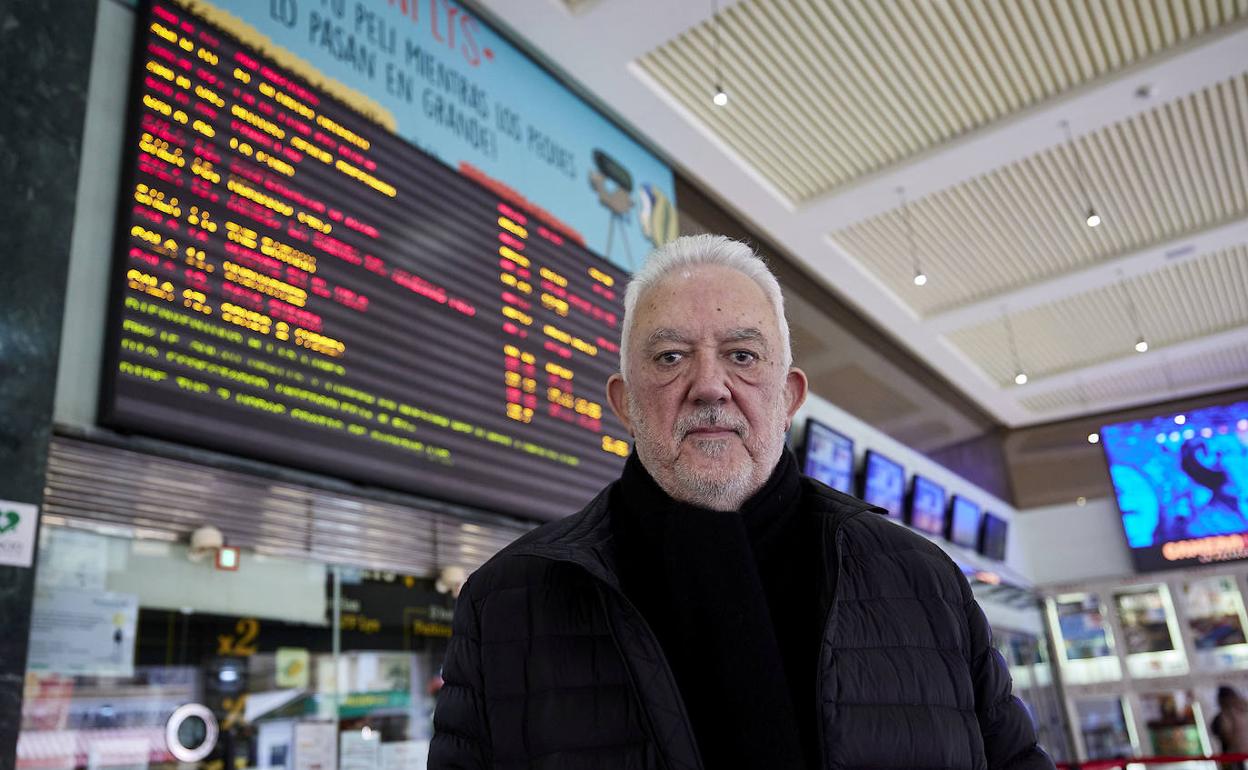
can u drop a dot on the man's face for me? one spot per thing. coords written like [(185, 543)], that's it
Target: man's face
[(706, 394)]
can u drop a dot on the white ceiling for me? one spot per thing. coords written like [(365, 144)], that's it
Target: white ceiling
[(836, 104)]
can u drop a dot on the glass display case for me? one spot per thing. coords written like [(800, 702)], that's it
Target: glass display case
[(1150, 632), (1215, 619), (1175, 723), (1105, 727), (1084, 638)]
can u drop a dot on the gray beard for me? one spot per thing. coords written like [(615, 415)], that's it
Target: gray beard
[(718, 494)]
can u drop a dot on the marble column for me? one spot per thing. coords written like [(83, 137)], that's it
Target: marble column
[(45, 55)]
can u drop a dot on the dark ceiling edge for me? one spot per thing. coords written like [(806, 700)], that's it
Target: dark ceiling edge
[(705, 207)]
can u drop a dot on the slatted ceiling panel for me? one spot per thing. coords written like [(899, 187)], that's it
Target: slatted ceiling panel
[(1149, 382), (1219, 366), (1180, 168), (94, 484), (1181, 302), (825, 91)]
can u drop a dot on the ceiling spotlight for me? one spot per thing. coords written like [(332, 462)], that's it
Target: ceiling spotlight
[(1081, 501), (920, 278), (1094, 438), (1093, 219), (1180, 419), (720, 98), (1141, 345), (1020, 378)]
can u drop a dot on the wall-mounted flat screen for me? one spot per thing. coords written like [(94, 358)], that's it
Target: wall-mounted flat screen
[(297, 282), (1181, 481), (884, 484), (828, 456), (992, 536), (927, 506), (963, 525)]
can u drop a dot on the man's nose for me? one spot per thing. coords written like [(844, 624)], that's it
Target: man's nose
[(710, 381)]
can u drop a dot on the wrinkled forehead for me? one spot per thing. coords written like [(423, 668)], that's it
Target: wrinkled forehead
[(704, 300)]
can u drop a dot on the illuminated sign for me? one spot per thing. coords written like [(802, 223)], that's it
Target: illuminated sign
[(296, 283), (1181, 481)]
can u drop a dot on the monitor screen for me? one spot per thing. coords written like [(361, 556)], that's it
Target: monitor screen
[(884, 484), (828, 456), (927, 506), (295, 282), (964, 522), (1181, 481), (992, 538)]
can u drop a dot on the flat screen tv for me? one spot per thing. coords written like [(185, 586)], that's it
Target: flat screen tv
[(992, 536), (1181, 481), (963, 524), (884, 484), (828, 456), (927, 506)]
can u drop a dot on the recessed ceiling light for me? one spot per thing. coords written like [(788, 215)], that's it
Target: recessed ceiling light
[(721, 97), (1094, 438), (1141, 345), (1020, 378), (1094, 219), (920, 278)]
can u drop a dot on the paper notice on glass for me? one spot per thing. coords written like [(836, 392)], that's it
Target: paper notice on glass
[(359, 749), (294, 666), (73, 631), (316, 746), (74, 559), (405, 755)]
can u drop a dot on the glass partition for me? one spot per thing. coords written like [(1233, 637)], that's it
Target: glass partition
[(144, 655)]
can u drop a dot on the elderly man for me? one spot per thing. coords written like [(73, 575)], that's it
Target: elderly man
[(714, 608)]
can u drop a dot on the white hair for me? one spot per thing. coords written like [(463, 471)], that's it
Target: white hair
[(693, 251)]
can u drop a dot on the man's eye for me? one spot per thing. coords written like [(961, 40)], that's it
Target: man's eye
[(669, 357), (743, 357)]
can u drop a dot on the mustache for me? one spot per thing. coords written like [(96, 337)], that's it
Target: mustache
[(710, 416)]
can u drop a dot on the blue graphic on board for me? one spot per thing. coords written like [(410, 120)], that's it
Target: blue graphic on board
[(1181, 476), (459, 91)]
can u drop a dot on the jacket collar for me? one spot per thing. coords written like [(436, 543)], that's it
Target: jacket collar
[(586, 539)]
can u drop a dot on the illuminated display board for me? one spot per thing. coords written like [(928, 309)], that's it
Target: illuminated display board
[(1182, 485), (298, 284)]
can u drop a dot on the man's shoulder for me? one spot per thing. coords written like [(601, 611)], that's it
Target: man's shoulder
[(874, 543), (534, 554)]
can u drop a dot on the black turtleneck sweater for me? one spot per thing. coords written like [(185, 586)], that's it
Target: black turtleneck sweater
[(732, 598)]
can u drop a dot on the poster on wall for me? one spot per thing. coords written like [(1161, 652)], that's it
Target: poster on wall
[(89, 633), (439, 76), (1144, 621), (1181, 481), (1083, 628), (1215, 614)]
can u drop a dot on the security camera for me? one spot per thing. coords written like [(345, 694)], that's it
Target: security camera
[(450, 580), (205, 542)]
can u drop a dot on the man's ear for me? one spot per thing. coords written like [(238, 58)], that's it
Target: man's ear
[(617, 397), (795, 387)]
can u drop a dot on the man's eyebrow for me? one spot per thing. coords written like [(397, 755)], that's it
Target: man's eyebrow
[(748, 334), (659, 336)]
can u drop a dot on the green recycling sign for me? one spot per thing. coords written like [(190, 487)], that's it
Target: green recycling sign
[(17, 533)]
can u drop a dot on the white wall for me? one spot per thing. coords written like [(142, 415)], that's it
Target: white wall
[(1072, 543)]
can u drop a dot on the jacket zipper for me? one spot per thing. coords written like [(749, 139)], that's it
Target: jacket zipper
[(601, 588), (826, 634)]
